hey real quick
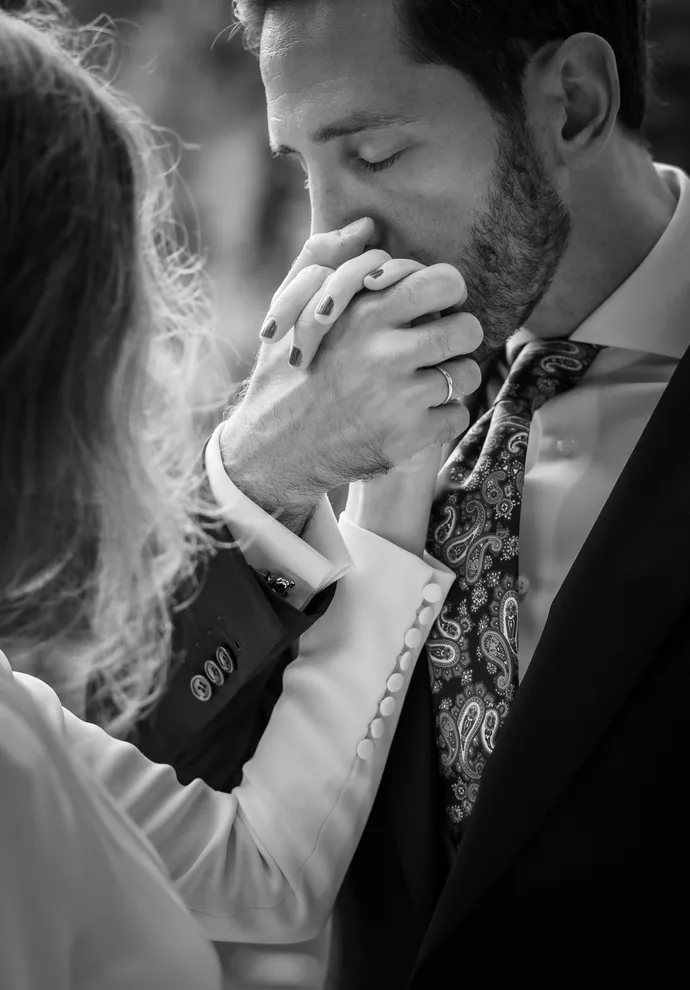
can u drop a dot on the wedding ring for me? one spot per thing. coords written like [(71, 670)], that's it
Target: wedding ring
[(449, 383)]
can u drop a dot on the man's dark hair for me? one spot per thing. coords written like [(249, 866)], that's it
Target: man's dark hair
[(491, 41)]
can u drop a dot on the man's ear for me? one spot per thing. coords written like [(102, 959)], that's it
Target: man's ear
[(578, 92)]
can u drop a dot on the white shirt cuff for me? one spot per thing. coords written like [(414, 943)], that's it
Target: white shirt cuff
[(313, 561)]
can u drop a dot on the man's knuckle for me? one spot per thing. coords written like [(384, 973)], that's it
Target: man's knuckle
[(447, 274), (446, 345), (414, 289), (316, 246)]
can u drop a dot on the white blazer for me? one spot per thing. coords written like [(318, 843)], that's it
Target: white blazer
[(113, 875)]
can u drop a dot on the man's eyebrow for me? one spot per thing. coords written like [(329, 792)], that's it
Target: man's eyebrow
[(354, 123)]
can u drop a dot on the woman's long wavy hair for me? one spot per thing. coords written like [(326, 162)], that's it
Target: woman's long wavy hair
[(102, 318)]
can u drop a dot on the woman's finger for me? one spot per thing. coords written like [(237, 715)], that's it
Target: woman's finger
[(338, 291), (287, 306), (346, 282), (332, 249), (390, 272)]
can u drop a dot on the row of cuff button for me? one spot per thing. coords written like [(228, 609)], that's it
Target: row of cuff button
[(414, 638), (216, 671)]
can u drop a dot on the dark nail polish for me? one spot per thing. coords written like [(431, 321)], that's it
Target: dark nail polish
[(295, 358), (268, 330), (377, 274), (326, 307)]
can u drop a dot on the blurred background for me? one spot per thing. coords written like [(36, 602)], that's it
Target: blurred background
[(248, 214), (245, 211)]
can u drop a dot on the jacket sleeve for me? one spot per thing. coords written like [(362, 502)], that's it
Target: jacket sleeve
[(240, 626), (265, 862), (235, 634)]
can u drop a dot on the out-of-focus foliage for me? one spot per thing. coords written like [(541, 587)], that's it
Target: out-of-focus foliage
[(248, 214), (246, 211)]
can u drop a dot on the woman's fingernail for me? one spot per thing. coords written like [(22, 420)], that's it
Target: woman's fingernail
[(325, 307), (268, 330), (377, 274), (295, 358)]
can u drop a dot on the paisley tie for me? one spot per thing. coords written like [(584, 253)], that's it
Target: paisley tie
[(475, 524)]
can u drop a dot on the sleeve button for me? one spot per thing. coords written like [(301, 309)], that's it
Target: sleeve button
[(387, 706), (200, 688), (225, 660), (405, 660), (425, 616), (365, 749), (214, 673), (413, 638), (395, 682), (377, 728), (432, 593)]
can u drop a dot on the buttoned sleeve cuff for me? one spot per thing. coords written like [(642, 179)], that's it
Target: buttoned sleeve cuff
[(313, 561)]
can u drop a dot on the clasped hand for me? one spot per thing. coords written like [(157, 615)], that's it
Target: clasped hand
[(346, 386)]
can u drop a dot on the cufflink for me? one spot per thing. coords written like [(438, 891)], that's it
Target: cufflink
[(282, 586)]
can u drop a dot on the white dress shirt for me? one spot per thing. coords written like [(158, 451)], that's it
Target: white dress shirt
[(114, 875), (313, 561)]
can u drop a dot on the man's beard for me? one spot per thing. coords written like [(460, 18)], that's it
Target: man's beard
[(516, 244)]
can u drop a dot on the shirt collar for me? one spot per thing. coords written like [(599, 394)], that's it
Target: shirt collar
[(650, 311)]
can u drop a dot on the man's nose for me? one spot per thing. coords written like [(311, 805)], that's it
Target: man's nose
[(332, 210)]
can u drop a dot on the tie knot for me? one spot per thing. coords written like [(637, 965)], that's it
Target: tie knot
[(543, 369)]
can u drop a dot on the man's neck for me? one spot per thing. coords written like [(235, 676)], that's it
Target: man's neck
[(620, 209)]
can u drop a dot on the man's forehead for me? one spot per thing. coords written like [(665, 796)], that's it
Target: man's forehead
[(329, 72), (329, 38)]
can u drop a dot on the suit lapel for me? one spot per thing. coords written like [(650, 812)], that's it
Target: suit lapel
[(601, 634)]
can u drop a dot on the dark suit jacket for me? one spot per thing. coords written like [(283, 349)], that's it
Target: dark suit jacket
[(233, 609), (574, 868), (574, 865)]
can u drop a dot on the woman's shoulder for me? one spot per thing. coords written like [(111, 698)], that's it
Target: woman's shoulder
[(24, 749), (42, 863), (33, 780), (29, 752)]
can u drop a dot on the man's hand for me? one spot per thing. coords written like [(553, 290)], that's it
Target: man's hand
[(370, 399)]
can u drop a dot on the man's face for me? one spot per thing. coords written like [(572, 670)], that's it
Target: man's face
[(416, 148)]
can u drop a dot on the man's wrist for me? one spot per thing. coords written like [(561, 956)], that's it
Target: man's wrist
[(257, 478)]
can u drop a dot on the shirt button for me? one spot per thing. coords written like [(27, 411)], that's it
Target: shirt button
[(387, 706), (432, 593), (200, 687), (377, 728), (405, 660), (395, 682), (425, 616), (225, 660), (214, 673), (522, 585), (365, 749), (413, 638), (567, 447)]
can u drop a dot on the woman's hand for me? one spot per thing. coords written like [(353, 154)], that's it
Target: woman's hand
[(313, 296)]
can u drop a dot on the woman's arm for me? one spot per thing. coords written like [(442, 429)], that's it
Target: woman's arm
[(265, 862)]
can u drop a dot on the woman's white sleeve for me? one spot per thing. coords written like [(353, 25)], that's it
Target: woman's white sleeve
[(264, 863)]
